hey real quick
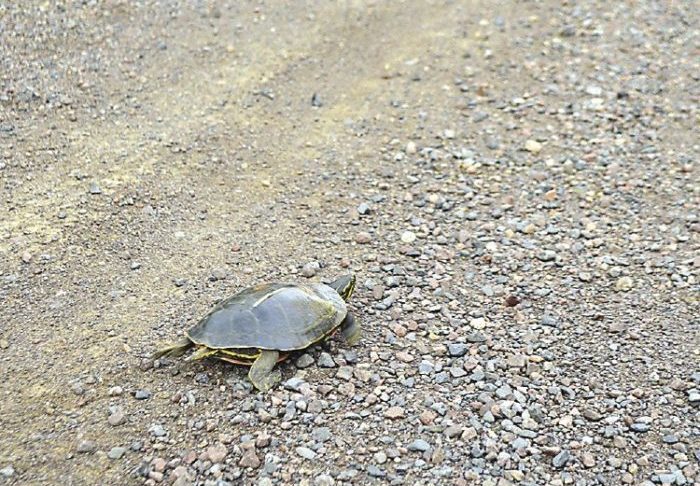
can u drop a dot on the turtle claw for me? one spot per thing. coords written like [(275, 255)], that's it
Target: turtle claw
[(351, 330), (261, 373)]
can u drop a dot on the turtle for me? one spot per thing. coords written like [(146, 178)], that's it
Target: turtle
[(263, 324)]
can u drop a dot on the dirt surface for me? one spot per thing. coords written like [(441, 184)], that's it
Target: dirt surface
[(515, 185)]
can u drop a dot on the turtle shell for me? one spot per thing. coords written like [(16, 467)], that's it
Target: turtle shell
[(276, 316)]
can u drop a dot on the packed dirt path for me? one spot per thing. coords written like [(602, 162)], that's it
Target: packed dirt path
[(156, 157)]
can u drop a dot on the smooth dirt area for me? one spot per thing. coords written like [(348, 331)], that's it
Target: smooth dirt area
[(515, 185)]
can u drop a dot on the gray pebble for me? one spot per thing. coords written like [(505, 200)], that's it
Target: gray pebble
[(116, 452), (375, 472), (457, 349), (326, 361), (546, 255), (310, 269), (157, 430), (87, 446), (294, 384), (561, 459), (419, 445), (321, 434), (324, 480), (142, 395), (7, 472), (364, 208), (306, 453), (640, 427), (304, 361), (95, 189), (344, 373)]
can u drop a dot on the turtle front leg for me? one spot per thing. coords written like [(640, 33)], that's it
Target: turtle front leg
[(351, 329), (261, 373)]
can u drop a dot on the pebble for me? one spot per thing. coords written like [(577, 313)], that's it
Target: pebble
[(394, 412), (363, 209), (116, 418), (560, 460), (533, 146), (217, 453), (324, 480), (310, 269), (142, 395), (624, 284), (457, 349), (87, 446), (95, 188), (294, 384), (326, 361), (306, 453), (250, 459), (304, 361), (363, 238), (7, 472), (418, 445), (321, 434), (116, 452), (344, 373), (408, 237)]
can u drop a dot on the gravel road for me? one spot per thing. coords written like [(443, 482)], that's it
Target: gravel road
[(514, 183)]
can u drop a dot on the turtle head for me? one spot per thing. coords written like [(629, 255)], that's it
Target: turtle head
[(344, 285)]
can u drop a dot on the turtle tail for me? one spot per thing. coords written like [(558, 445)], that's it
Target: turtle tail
[(176, 349)]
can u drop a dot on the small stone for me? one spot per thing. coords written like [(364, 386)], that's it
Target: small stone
[(250, 459), (326, 361), (588, 459), (561, 459), (479, 323), (411, 147), (116, 452), (449, 134), (217, 453), (546, 255), (218, 273), (394, 412), (363, 238), (694, 396), (457, 349), (533, 146), (7, 471), (116, 418), (363, 209), (408, 237), (310, 269), (512, 301), (294, 384), (344, 373), (427, 417), (306, 453), (321, 434), (380, 457), (592, 415), (115, 391), (158, 464), (95, 189), (516, 361), (87, 447), (419, 445), (375, 472), (624, 284), (142, 395), (324, 480), (26, 257), (157, 430), (640, 427), (304, 361)]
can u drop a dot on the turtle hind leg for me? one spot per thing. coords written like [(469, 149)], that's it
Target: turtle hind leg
[(261, 373), (351, 329), (176, 349)]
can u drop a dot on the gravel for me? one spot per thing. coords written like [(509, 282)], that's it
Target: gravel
[(514, 184)]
